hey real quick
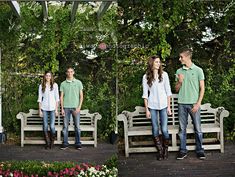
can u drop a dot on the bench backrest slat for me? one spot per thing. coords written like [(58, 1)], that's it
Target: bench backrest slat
[(138, 117), (32, 118), (208, 114)]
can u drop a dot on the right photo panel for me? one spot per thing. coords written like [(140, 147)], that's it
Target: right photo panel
[(175, 88)]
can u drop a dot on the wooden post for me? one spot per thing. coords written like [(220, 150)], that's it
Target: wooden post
[(103, 8), (44, 10), (15, 7), (117, 94), (1, 127), (74, 10), (2, 134)]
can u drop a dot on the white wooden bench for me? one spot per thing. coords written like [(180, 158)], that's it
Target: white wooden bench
[(137, 126), (31, 122)]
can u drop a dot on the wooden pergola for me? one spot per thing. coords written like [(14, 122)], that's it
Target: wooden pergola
[(15, 6), (105, 4)]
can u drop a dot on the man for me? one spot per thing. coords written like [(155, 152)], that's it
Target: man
[(190, 85), (71, 99)]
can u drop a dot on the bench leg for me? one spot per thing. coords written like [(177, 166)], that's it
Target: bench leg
[(218, 136), (126, 146), (126, 142), (174, 140), (59, 136), (222, 141), (95, 138), (22, 137)]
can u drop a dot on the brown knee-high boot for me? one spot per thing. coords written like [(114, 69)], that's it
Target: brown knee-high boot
[(52, 137), (47, 139), (158, 145), (165, 148)]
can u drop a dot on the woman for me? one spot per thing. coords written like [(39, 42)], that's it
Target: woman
[(157, 96), (48, 99)]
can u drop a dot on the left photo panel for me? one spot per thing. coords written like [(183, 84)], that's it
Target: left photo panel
[(58, 89)]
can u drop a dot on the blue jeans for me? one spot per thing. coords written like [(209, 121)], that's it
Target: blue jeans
[(52, 121), (184, 110), (163, 119), (76, 120)]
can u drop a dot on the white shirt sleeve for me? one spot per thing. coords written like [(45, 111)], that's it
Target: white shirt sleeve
[(56, 90), (167, 85), (145, 87), (40, 93)]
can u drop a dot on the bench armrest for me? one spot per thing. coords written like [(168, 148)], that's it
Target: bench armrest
[(20, 116), (122, 117), (23, 116), (96, 117), (220, 114)]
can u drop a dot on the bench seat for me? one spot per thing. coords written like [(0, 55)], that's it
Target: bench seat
[(147, 130)]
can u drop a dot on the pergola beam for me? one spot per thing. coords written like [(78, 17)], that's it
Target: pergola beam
[(44, 9), (74, 10), (103, 8), (15, 7)]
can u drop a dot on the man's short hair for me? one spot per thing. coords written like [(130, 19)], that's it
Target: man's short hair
[(69, 67), (187, 50)]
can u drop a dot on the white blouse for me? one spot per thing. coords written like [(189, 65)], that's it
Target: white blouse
[(157, 94), (49, 98)]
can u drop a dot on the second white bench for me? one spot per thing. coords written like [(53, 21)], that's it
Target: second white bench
[(136, 125), (31, 122)]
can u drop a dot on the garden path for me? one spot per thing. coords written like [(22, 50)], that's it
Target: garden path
[(145, 165), (88, 154)]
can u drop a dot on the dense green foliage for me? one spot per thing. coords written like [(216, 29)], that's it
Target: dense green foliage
[(163, 28), (31, 45)]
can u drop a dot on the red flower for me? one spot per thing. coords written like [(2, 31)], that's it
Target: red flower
[(102, 46), (78, 167), (49, 173)]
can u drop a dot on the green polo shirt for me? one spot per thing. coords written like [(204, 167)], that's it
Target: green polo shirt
[(190, 88), (71, 90)]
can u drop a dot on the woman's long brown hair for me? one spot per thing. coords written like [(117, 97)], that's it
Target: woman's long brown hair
[(44, 81), (149, 72)]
